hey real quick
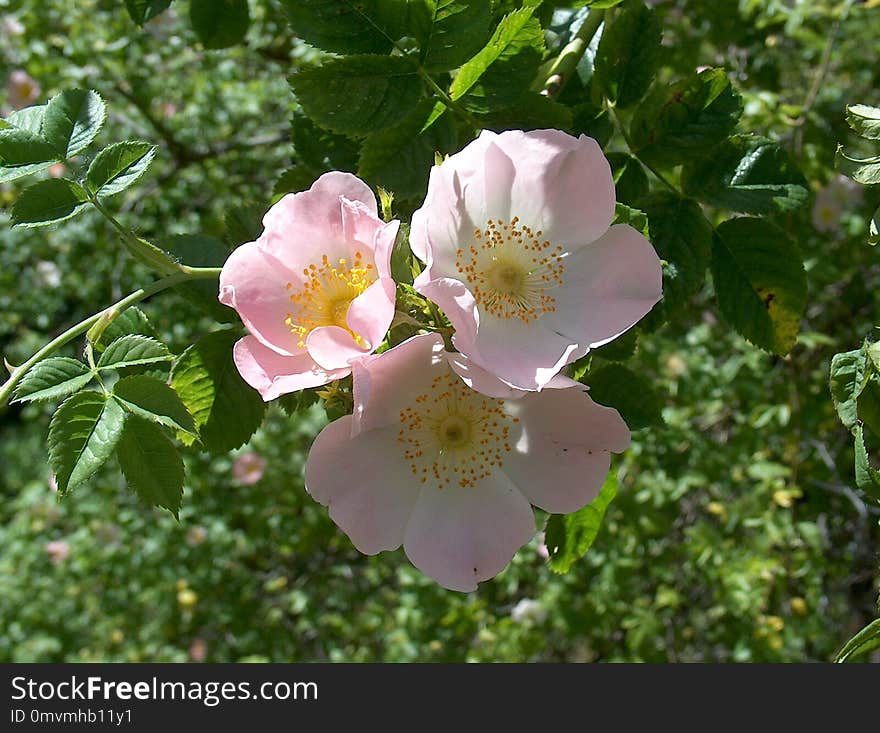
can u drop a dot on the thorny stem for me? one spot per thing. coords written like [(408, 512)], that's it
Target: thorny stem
[(188, 273), (570, 56)]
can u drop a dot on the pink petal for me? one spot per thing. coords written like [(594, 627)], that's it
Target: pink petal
[(359, 225), (383, 245), (338, 183), (385, 384), (475, 377), (255, 284), (332, 347), (562, 457), (563, 185), (487, 191), (455, 300), (273, 374), (463, 536), (371, 313), (302, 227), (526, 356), (364, 482), (609, 285)]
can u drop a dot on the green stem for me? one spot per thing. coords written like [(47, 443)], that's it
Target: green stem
[(189, 273), (623, 133), (570, 56), (447, 100)]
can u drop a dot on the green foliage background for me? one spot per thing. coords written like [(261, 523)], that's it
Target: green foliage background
[(737, 534)]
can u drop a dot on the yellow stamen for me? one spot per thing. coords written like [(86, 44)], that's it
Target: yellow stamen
[(326, 293)]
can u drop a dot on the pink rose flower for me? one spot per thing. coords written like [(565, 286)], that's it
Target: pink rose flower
[(248, 468), (58, 550), (515, 235), (450, 473), (22, 89), (315, 289)]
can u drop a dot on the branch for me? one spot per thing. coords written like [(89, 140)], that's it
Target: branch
[(188, 273), (570, 56)]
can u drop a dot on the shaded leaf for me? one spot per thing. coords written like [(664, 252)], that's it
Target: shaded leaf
[(631, 394), (48, 202), (151, 464), (220, 23), (760, 282), (675, 123), (345, 26), (142, 11), (153, 400), (629, 54), (23, 147), (864, 120), (400, 158), (358, 94), (682, 236), (746, 173), (458, 30), (503, 69)]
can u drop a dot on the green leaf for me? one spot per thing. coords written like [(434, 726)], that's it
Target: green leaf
[(760, 282), (865, 641), (631, 394), (243, 223), (142, 11), (867, 477), (847, 380), (569, 536), (151, 464), (503, 70), (82, 435), (629, 54), (51, 378), (131, 320), (153, 400), (620, 349), (749, 174), (133, 350), (72, 120), (20, 171), (630, 179), (399, 159), (864, 170), (25, 148), (864, 120), (532, 111), (458, 31), (226, 410), (401, 257), (345, 26), (635, 218), (297, 178), (358, 94), (29, 118), (682, 237), (322, 149), (48, 202), (220, 23), (675, 123), (199, 250), (116, 167)]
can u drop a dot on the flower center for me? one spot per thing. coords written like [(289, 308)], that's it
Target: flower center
[(326, 294), (509, 269), (453, 434)]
